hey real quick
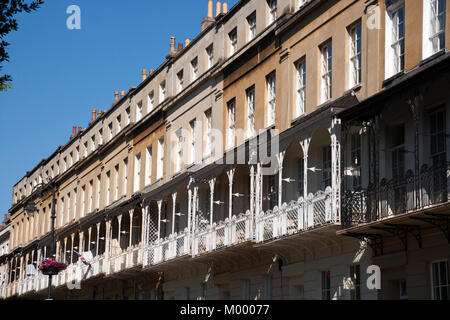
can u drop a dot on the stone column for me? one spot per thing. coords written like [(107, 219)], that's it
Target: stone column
[(65, 250)]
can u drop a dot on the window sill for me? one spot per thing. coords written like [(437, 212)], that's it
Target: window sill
[(388, 81), (432, 57)]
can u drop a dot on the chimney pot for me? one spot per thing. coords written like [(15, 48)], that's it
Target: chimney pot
[(218, 8), (116, 95), (180, 47), (172, 44), (152, 71), (122, 94), (225, 7), (74, 132), (210, 8), (99, 113), (94, 113), (79, 130), (187, 42), (144, 74)]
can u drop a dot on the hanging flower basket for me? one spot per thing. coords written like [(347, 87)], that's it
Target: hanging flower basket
[(50, 267)]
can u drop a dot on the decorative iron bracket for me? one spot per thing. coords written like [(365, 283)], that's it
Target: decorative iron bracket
[(441, 221), (375, 241), (401, 231)]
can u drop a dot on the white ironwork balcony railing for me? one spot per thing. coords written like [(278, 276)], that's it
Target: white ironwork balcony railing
[(225, 234), (130, 258), (296, 217), (26, 285), (174, 246)]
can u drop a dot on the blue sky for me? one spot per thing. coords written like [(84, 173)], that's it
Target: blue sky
[(60, 75)]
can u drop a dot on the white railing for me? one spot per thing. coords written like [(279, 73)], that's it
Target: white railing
[(297, 216), (174, 246), (225, 234)]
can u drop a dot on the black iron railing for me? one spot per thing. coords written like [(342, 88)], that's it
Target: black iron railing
[(401, 195)]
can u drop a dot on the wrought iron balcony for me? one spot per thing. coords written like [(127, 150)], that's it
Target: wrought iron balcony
[(296, 217), (398, 196)]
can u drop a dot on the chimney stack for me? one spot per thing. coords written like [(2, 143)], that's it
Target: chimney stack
[(187, 42), (74, 132), (94, 113), (180, 47), (209, 19), (6, 217), (116, 96), (210, 8), (172, 45), (218, 8), (225, 8), (79, 130), (122, 94), (99, 113), (144, 74), (152, 72)]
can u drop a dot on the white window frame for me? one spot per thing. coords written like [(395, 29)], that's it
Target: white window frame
[(327, 71), (91, 196), (83, 200), (394, 38), (117, 182), (108, 187), (148, 165), (210, 55), (439, 286), (118, 123), (251, 23), (93, 143), (151, 101), (250, 111), (160, 167), (434, 24), (162, 91), (194, 67), (355, 43), (232, 37), (180, 76), (231, 129), (208, 132), (271, 81), (128, 112), (139, 111), (98, 191), (300, 67), (125, 176), (137, 172), (193, 128), (272, 4), (100, 137)]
